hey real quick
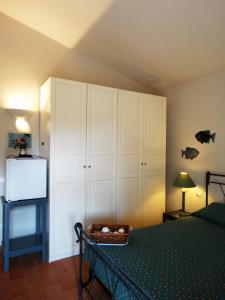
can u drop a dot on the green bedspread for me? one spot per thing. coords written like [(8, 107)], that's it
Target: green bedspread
[(183, 259)]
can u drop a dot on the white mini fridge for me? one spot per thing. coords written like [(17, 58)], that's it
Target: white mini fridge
[(25, 178)]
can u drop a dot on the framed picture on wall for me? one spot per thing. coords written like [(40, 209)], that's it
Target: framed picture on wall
[(16, 138)]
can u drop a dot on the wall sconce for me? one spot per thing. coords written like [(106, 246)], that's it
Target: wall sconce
[(21, 116)]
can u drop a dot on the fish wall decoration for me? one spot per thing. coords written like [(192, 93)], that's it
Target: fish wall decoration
[(190, 153), (204, 136)]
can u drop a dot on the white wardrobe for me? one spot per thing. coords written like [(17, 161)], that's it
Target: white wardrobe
[(106, 153)]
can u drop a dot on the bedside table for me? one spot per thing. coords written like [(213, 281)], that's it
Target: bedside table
[(175, 215)]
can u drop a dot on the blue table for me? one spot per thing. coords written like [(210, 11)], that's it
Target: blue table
[(27, 244)]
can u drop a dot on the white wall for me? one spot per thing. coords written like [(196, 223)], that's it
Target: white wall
[(195, 105), (27, 59)]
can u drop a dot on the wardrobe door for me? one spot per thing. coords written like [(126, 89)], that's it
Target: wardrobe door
[(153, 159), (69, 175), (129, 151), (101, 154)]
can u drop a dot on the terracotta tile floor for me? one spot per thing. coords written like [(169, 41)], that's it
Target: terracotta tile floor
[(30, 279)]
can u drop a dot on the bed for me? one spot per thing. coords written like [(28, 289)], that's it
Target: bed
[(183, 259)]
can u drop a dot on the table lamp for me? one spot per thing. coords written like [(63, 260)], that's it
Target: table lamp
[(183, 181)]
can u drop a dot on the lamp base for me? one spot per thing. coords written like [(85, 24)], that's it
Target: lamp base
[(183, 201)]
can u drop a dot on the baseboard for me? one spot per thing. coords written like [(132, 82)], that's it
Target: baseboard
[(63, 254)]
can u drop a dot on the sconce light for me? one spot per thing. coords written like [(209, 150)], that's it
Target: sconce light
[(21, 116), (22, 125)]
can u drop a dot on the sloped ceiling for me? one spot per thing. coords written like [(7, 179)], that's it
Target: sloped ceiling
[(155, 42)]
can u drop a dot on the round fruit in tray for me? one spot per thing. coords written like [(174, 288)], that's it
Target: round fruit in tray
[(105, 230)]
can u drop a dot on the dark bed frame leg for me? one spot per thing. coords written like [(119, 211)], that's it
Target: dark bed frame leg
[(91, 270), (83, 284), (78, 228)]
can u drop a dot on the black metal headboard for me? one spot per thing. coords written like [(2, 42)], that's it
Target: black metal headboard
[(208, 181)]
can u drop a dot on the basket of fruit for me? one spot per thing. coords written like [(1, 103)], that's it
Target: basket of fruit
[(115, 234)]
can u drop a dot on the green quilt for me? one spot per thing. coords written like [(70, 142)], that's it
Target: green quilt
[(183, 259)]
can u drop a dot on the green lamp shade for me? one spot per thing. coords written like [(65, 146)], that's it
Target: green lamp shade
[(183, 180)]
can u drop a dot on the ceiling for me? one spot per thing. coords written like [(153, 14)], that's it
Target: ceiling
[(155, 42)]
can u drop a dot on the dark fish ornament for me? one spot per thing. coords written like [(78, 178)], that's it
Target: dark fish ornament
[(190, 153), (205, 136)]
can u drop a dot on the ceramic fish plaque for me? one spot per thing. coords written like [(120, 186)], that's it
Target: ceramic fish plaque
[(190, 153), (205, 136)]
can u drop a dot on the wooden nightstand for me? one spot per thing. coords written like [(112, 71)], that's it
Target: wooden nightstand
[(174, 215)]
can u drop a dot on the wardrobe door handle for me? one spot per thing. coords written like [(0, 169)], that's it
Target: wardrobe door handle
[(89, 167), (145, 164), (84, 167), (142, 164)]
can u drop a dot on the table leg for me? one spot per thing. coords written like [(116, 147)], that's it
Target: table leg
[(6, 237), (38, 219), (44, 236)]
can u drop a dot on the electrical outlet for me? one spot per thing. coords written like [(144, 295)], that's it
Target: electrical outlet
[(199, 193)]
